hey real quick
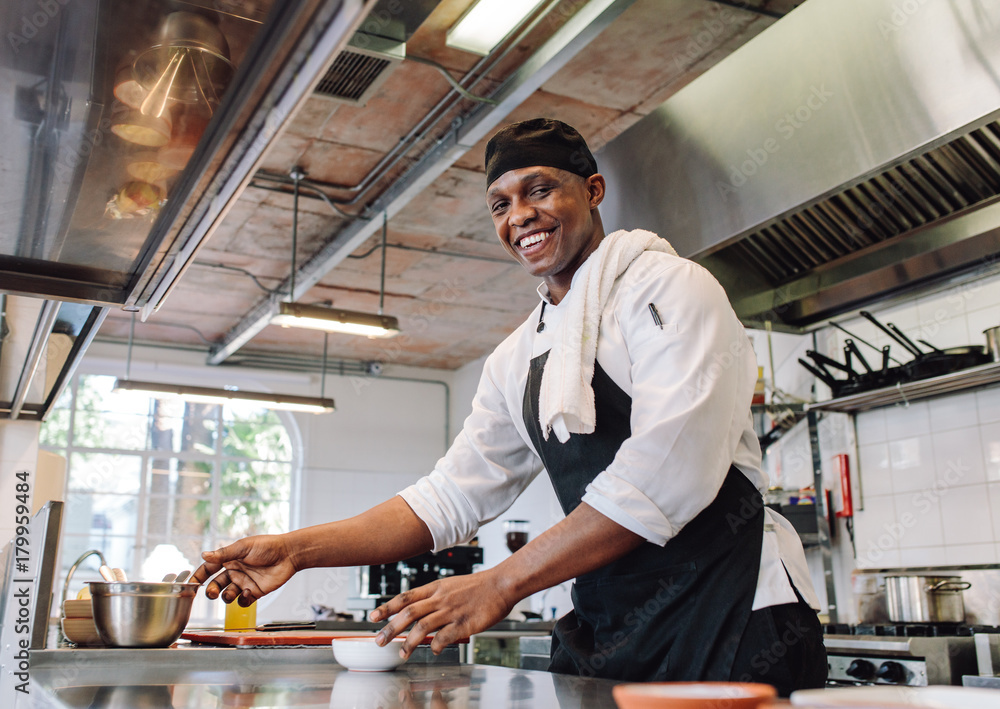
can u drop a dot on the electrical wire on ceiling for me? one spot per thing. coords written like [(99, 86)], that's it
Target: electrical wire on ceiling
[(451, 80), (318, 193), (743, 5), (160, 323), (423, 129), (437, 252), (237, 269)]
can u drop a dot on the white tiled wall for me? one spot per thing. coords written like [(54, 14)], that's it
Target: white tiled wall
[(930, 470), (930, 482)]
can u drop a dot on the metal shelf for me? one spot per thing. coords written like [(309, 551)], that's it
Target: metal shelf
[(912, 391)]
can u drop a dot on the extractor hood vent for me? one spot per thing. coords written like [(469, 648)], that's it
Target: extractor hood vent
[(357, 72), (938, 184), (865, 168)]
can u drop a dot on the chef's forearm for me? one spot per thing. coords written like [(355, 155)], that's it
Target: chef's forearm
[(386, 533), (586, 540)]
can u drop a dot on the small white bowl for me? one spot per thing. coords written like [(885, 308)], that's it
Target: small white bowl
[(363, 655)]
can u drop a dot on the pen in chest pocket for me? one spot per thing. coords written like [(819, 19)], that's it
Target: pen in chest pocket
[(656, 316)]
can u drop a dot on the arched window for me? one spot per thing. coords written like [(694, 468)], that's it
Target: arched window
[(153, 482)]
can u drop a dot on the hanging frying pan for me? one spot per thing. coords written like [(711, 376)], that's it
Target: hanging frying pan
[(934, 363)]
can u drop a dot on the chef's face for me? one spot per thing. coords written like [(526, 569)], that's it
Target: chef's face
[(547, 220)]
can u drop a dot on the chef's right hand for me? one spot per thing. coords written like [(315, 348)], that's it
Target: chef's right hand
[(250, 568)]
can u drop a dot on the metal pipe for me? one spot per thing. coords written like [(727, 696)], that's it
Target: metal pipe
[(381, 287), (447, 402), (556, 52), (43, 327), (72, 569), (297, 176), (431, 118)]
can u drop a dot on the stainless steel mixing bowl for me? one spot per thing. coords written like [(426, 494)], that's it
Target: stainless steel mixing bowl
[(141, 614)]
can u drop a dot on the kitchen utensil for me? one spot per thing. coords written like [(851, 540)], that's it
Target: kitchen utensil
[(141, 614), (182, 576), (824, 361), (861, 340), (888, 331), (850, 346), (905, 341), (929, 364), (993, 342), (119, 574), (189, 63), (107, 574), (964, 350), (925, 599), (692, 695), (823, 376), (364, 655), (155, 103), (168, 578)]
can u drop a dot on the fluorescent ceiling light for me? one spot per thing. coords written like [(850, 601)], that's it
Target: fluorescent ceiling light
[(212, 395), (318, 317), (487, 22)]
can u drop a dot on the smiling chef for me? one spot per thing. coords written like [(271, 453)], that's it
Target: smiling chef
[(630, 385)]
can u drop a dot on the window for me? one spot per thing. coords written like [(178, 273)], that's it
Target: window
[(152, 483)]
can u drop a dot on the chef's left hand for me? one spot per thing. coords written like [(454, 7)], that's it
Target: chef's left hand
[(451, 608)]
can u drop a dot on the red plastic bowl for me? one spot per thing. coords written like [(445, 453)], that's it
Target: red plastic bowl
[(692, 695)]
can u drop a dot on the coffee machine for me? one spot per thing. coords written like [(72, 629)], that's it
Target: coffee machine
[(379, 583)]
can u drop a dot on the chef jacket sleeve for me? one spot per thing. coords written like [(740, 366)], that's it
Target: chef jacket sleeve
[(692, 383), (483, 472)]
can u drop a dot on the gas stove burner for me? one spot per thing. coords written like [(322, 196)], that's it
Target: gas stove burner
[(909, 630), (913, 654)]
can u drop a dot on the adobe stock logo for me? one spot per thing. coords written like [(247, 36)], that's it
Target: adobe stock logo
[(786, 127)]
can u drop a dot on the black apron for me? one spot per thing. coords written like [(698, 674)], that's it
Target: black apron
[(675, 612)]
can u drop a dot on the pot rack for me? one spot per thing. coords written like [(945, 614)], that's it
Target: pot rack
[(904, 393)]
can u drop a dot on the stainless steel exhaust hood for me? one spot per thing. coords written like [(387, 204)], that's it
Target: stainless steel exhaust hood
[(849, 154)]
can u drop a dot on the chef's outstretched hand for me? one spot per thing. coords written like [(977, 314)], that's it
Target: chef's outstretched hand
[(451, 608), (250, 568)]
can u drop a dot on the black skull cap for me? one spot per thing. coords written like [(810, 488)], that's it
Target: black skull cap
[(538, 141)]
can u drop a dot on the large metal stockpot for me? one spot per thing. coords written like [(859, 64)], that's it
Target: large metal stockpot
[(925, 599)]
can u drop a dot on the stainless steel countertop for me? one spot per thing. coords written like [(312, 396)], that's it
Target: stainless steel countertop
[(185, 678)]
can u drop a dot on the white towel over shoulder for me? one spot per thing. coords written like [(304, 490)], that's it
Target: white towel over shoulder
[(566, 399)]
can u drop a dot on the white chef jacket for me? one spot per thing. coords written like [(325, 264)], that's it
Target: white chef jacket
[(691, 382)]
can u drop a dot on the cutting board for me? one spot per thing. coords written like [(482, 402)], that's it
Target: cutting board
[(256, 638)]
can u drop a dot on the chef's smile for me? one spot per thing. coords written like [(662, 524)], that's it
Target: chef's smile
[(527, 244)]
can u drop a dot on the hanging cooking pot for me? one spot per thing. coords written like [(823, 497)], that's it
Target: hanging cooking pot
[(925, 599)]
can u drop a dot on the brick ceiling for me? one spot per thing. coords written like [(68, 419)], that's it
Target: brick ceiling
[(452, 309)]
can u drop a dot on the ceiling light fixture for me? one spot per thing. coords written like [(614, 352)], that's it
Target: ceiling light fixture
[(349, 322), (487, 22), (215, 395), (327, 319), (219, 395)]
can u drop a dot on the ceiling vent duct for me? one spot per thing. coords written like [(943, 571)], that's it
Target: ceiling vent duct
[(358, 71)]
